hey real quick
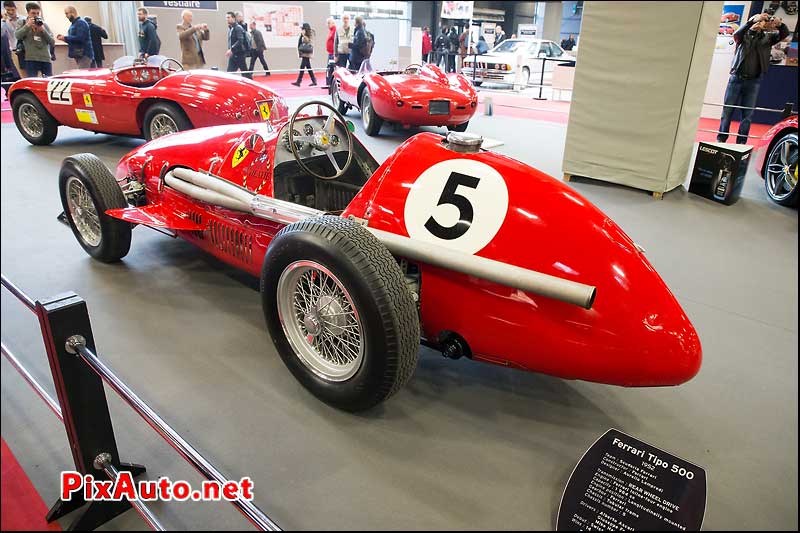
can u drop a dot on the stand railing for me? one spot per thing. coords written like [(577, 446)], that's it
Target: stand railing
[(78, 376)]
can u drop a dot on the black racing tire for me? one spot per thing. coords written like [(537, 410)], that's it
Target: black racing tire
[(338, 103), (49, 124), (777, 193), (370, 119), (375, 284), (104, 192), (459, 127), (168, 110)]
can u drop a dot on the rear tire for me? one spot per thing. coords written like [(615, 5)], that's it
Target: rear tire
[(163, 118), (327, 267), (781, 186), (372, 122), (33, 121), (88, 190)]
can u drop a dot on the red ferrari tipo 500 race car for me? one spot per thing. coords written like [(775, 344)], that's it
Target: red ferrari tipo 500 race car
[(421, 95), (464, 249), (139, 98)]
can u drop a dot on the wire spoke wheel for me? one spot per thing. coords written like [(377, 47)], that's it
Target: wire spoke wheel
[(781, 169), (320, 321), (30, 120), (83, 212), (161, 125)]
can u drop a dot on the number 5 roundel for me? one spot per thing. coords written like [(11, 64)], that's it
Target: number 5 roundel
[(458, 203)]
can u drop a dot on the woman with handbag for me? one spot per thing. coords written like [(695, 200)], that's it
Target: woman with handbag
[(305, 48)]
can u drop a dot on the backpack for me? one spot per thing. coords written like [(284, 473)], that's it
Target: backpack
[(248, 42), (369, 44)]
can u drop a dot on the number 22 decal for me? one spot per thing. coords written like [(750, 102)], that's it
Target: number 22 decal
[(458, 203), (59, 92)]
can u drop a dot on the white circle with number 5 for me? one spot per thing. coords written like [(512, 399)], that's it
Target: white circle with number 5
[(458, 203)]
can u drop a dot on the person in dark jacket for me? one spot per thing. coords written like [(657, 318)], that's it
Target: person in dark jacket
[(305, 41), (358, 44), (569, 43), (453, 44), (237, 46), (9, 70), (440, 46), (482, 47), (78, 38), (149, 43), (258, 49), (499, 35), (98, 34), (754, 40)]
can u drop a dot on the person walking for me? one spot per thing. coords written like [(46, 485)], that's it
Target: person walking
[(440, 46), (78, 38), (237, 46), (36, 37), (305, 48), (452, 49), (344, 36), (259, 47), (361, 47), (427, 45), (754, 40), (98, 33), (191, 37), (149, 42)]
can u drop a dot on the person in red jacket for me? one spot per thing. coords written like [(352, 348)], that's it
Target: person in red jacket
[(331, 37), (427, 45)]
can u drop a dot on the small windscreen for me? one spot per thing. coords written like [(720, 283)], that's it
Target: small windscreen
[(129, 61)]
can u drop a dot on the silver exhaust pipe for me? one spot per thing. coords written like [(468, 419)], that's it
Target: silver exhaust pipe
[(216, 191)]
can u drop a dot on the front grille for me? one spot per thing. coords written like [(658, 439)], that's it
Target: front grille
[(439, 107), (231, 241)]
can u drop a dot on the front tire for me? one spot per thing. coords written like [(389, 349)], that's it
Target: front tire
[(372, 122), (340, 106), (164, 118), (339, 312), (780, 171), (88, 189), (33, 121)]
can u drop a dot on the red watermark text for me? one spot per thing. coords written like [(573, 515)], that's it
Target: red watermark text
[(73, 483)]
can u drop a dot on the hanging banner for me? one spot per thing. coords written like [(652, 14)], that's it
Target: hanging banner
[(279, 24), (457, 10), (182, 4)]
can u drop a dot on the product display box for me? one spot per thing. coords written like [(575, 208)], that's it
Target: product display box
[(719, 171)]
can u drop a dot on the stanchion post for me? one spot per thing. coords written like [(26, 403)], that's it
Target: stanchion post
[(788, 109), (65, 319), (541, 80)]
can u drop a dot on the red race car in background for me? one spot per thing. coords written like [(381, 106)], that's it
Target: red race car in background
[(463, 249), (730, 16), (421, 95), (776, 159), (139, 98)]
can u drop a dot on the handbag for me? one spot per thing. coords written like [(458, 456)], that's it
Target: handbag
[(306, 48)]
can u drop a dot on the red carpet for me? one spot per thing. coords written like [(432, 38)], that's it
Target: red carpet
[(21, 507)]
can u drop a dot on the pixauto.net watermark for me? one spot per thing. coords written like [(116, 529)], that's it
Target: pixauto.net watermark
[(162, 489)]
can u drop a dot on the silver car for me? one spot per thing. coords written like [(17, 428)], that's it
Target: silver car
[(499, 65)]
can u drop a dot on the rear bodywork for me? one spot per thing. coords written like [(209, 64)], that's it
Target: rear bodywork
[(635, 334), (412, 99), (108, 101)]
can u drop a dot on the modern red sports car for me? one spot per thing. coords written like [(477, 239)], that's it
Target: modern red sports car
[(463, 249), (775, 157), (421, 95), (139, 98)]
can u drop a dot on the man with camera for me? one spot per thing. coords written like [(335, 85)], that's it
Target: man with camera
[(36, 37), (754, 39)]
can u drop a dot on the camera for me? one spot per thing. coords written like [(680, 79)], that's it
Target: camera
[(38, 21)]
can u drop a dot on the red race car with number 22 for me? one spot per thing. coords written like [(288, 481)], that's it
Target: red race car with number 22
[(139, 98), (463, 249)]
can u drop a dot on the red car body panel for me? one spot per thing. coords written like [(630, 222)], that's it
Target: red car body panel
[(635, 334), (107, 101), (415, 91), (763, 145)]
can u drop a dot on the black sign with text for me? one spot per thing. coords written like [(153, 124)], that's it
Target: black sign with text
[(182, 4), (622, 483)]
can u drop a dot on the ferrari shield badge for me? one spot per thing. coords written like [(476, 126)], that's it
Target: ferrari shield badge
[(239, 155), (264, 109)]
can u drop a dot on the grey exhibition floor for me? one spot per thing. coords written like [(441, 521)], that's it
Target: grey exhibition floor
[(464, 445)]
